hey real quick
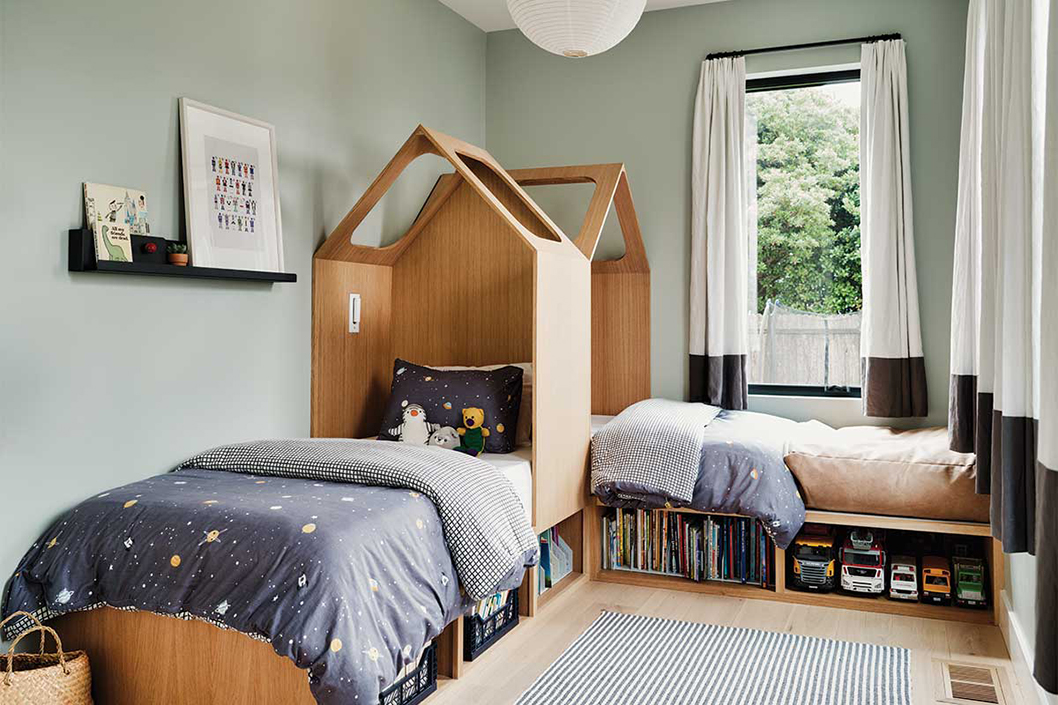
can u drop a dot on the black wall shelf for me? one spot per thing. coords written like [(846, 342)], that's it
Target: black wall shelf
[(83, 259)]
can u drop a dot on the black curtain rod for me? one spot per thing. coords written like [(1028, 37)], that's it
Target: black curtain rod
[(810, 45)]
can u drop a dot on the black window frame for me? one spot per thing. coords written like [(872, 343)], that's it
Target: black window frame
[(778, 83)]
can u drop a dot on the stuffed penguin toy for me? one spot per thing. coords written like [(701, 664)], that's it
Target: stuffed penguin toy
[(413, 427)]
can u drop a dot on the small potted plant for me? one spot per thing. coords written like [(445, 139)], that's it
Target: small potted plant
[(176, 253)]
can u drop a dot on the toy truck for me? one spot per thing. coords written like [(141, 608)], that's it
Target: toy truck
[(936, 580), (863, 563), (969, 581), (903, 578), (814, 558)]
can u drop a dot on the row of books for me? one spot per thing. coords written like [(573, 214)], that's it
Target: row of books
[(694, 546), (556, 560), (491, 605)]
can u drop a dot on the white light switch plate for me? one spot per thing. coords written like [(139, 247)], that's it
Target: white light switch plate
[(354, 313)]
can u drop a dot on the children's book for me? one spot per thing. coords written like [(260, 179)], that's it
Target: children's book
[(115, 214)]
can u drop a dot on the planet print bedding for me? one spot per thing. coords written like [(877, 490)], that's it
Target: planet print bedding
[(349, 580), (659, 453)]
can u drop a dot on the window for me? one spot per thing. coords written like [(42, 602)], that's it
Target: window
[(805, 284)]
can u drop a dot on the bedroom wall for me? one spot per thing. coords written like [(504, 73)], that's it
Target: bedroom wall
[(635, 104), (106, 379)]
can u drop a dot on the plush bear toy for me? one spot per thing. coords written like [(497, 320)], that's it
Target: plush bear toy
[(473, 431)]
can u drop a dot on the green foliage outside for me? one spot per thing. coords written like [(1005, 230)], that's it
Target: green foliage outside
[(808, 201)]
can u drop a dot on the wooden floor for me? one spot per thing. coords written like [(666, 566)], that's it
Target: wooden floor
[(503, 672)]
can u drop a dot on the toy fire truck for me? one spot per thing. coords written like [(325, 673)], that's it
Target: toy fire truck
[(863, 562), (814, 558)]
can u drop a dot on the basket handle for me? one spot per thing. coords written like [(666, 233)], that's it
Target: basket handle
[(11, 616), (11, 651)]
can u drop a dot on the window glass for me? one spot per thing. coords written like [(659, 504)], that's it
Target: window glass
[(805, 282)]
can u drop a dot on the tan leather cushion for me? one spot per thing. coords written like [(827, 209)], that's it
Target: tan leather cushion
[(877, 470)]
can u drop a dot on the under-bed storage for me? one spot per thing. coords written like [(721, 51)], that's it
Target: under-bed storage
[(944, 534)]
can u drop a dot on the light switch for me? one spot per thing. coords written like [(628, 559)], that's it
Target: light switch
[(354, 313)]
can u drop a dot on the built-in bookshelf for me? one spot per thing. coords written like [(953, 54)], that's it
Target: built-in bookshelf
[(697, 547), (635, 562)]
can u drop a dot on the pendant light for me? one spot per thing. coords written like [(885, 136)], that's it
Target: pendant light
[(576, 28)]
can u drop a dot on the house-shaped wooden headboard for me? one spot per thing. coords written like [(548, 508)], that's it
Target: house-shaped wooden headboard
[(620, 288), (482, 276)]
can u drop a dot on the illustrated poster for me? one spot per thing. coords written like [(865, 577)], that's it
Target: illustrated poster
[(233, 192)]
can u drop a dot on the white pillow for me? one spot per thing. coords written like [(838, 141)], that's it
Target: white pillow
[(524, 434)]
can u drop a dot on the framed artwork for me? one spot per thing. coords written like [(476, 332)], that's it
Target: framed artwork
[(231, 191)]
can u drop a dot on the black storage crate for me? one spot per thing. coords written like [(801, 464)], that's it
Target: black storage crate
[(479, 634), (417, 685)]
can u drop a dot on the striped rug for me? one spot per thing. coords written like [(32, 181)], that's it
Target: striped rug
[(631, 659)]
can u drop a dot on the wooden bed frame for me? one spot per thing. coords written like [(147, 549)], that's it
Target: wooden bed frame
[(503, 284)]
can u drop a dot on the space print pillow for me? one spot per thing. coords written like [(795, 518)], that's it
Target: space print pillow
[(471, 411)]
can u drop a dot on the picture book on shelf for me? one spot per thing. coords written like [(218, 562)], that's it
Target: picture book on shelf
[(115, 214)]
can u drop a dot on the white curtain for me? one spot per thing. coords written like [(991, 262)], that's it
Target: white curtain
[(1005, 288), (719, 341), (1046, 668), (894, 373)]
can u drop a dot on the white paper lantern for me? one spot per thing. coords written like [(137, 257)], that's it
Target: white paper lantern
[(576, 28)]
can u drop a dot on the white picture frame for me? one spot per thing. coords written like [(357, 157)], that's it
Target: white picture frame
[(232, 214)]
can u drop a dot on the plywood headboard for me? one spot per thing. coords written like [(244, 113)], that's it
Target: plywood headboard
[(482, 276), (620, 288)]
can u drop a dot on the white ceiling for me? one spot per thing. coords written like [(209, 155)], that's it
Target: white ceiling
[(492, 15)]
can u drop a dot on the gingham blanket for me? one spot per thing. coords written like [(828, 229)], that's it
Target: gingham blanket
[(651, 449), (485, 526)]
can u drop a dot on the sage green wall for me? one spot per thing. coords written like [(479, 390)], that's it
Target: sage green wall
[(107, 379), (634, 104)]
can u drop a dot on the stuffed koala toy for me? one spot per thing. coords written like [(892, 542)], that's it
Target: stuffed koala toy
[(445, 437)]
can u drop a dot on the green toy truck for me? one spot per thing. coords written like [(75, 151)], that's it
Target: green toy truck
[(969, 582)]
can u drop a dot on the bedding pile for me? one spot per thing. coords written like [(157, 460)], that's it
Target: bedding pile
[(648, 455), (651, 450), (346, 556)]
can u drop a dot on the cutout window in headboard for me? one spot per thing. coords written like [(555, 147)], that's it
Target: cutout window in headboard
[(510, 199)]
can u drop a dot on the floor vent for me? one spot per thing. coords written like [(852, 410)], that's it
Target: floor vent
[(966, 684)]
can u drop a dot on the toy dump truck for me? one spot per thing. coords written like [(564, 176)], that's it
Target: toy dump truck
[(814, 558), (936, 580), (903, 578), (863, 563), (969, 581)]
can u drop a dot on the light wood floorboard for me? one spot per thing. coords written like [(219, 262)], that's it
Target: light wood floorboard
[(503, 672)]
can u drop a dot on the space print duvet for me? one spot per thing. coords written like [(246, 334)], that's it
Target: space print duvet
[(348, 579), (660, 453)]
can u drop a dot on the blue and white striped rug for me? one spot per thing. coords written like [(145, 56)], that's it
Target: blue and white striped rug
[(632, 659)]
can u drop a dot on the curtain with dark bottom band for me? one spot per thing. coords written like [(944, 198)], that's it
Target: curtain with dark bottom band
[(894, 371), (719, 326), (1003, 396)]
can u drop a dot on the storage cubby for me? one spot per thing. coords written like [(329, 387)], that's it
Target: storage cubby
[(695, 547), (571, 533), (932, 569)]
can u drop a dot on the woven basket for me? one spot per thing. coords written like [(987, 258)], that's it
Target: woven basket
[(45, 679)]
